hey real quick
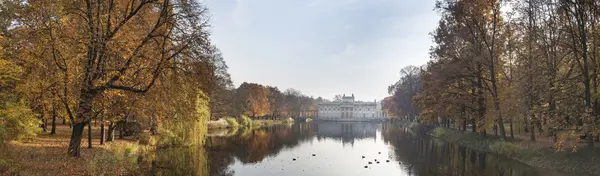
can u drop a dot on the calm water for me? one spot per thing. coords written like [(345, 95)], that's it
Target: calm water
[(338, 149)]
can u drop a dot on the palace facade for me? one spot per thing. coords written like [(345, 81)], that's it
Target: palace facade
[(348, 108)]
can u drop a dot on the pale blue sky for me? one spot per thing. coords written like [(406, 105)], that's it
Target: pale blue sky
[(323, 47)]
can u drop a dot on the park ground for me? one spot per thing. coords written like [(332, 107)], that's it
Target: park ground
[(572, 157), (47, 155)]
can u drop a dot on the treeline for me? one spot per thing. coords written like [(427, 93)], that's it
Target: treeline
[(255, 100), (512, 65)]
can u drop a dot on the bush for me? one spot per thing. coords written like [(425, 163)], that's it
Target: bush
[(147, 139), (309, 120), (505, 148), (232, 122), (288, 121), (245, 121), (18, 123), (269, 122), (414, 126), (438, 132)]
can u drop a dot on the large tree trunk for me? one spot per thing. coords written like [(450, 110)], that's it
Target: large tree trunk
[(45, 126), (526, 122), (102, 132), (42, 118), (495, 128), (121, 129), (111, 132), (512, 134), (89, 134), (84, 112), (75, 143), (532, 125), (480, 102), (53, 130)]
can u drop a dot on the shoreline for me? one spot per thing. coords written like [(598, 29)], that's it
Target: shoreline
[(584, 161)]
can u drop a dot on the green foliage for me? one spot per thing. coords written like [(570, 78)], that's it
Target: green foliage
[(232, 122), (309, 120), (269, 122), (18, 122), (245, 121), (506, 148), (187, 130), (146, 139), (438, 132), (288, 121), (413, 125)]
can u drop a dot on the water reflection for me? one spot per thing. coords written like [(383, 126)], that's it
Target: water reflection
[(338, 149), (180, 161), (434, 157)]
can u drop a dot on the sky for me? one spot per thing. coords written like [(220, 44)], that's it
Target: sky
[(323, 47)]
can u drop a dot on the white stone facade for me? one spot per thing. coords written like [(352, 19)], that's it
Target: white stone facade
[(347, 108)]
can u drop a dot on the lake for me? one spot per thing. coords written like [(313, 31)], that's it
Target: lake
[(334, 149)]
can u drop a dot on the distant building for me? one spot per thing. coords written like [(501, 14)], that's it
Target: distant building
[(348, 108)]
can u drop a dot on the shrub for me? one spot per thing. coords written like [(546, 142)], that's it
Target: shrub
[(309, 120), (505, 148), (232, 122), (438, 132), (18, 123), (147, 139), (413, 126), (269, 122), (245, 121), (288, 121)]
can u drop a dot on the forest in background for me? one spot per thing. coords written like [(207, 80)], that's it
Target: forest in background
[(500, 66)]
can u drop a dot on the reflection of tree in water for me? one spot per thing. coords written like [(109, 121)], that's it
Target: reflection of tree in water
[(180, 161), (252, 146), (432, 157), (347, 132)]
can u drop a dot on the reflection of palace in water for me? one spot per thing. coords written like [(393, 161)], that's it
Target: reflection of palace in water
[(347, 132)]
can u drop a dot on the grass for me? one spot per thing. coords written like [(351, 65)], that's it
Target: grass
[(506, 148), (123, 154), (439, 132), (46, 155)]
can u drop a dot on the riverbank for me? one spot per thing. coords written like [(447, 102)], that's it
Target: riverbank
[(538, 154), (219, 125)]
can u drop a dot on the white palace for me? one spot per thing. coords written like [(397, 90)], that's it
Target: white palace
[(348, 109)]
